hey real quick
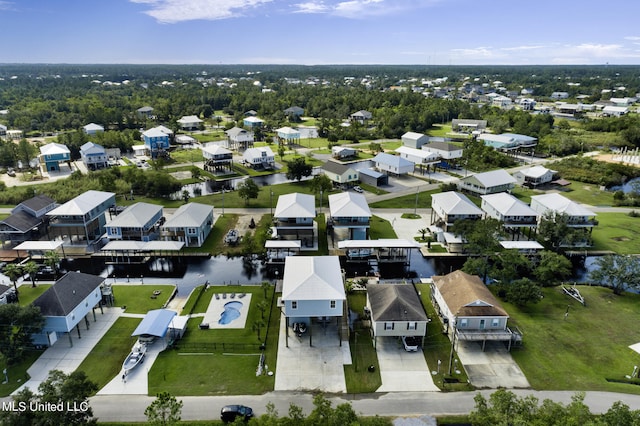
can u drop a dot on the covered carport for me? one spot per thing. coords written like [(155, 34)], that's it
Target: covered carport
[(155, 325), (39, 248)]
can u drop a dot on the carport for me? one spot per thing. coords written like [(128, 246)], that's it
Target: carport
[(154, 325)]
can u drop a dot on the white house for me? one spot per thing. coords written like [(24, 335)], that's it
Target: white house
[(507, 141), (393, 164), (239, 138), (312, 289), (414, 140), (288, 136), (448, 207), (615, 111), (259, 157), (189, 122), (488, 182), (419, 157), (340, 152), (512, 212), (534, 176), (138, 222), (92, 128), (294, 217), (351, 211), (361, 116), (448, 152)]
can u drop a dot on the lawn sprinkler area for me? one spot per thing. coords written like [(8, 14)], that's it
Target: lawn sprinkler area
[(227, 310)]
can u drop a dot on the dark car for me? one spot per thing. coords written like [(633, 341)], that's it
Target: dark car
[(230, 412)]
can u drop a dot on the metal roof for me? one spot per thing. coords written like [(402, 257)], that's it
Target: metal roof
[(155, 323)]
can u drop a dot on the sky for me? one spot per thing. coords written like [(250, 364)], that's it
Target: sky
[(320, 32)]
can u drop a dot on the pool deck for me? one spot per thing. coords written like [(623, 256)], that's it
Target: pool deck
[(216, 308)]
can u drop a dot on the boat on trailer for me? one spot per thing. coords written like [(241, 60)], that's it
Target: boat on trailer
[(135, 357), (575, 293)]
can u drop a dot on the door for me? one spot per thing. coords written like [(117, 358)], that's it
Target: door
[(482, 324)]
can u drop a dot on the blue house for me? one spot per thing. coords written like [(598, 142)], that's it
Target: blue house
[(94, 156), (52, 154), (156, 141)]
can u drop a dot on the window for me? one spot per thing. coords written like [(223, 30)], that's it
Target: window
[(495, 322), (412, 325), (294, 304), (464, 322), (388, 326), (333, 304), (191, 230)]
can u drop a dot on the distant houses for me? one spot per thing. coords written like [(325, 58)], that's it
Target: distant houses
[(191, 223), (189, 122)]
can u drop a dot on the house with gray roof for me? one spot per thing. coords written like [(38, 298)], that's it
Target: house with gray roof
[(138, 222), (361, 116), (396, 310), (393, 164), (239, 138), (191, 223), (189, 122), (350, 211), (93, 128), (294, 218), (93, 156), (260, 157), (28, 220), (70, 301), (145, 112), (82, 219), (340, 174), (373, 177), (488, 182), (294, 112), (467, 125)]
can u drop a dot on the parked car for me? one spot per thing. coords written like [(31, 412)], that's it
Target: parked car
[(230, 412), (11, 172), (411, 343), (358, 189)]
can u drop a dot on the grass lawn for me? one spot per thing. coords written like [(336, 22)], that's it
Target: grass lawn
[(581, 351), (187, 155), (137, 298), (438, 347), (17, 373), (381, 228), (28, 294), (220, 361), (588, 193), (357, 376), (104, 362), (407, 201), (617, 232)]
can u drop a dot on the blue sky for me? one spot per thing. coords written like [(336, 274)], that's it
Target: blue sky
[(312, 32)]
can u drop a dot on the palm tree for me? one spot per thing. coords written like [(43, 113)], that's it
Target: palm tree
[(257, 326), (13, 271), (52, 260), (31, 268)]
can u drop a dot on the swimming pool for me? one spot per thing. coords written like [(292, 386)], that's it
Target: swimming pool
[(231, 312)]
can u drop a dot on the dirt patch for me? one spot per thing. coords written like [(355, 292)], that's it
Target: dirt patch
[(244, 222), (183, 175), (621, 238), (609, 158)]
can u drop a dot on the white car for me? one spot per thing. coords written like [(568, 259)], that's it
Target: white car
[(358, 189), (411, 343)]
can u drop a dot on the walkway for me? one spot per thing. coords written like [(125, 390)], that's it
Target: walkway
[(402, 371)]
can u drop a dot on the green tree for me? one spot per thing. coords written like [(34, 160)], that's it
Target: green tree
[(320, 183), (196, 172), (31, 268), (298, 168), (185, 196), (281, 150), (13, 271), (262, 306), (617, 272), (17, 324), (552, 268), (509, 265), (257, 326), (555, 232), (620, 414), (266, 285), (164, 410), (521, 292), (59, 389), (248, 189)]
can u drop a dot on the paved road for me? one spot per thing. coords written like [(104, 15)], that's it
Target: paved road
[(118, 408)]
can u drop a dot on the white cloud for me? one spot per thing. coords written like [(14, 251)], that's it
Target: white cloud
[(6, 5), (311, 7), (172, 11), (521, 48)]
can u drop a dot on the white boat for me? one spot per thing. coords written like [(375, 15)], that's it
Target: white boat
[(135, 357), (231, 237)]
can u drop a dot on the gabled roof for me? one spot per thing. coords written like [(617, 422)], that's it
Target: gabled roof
[(363, 114), (288, 131), (54, 149), (65, 295), (455, 203), (442, 146), (91, 148), (560, 204), (235, 131), (467, 296), (257, 152), (492, 178), (312, 278), (189, 119), (508, 205), (335, 167), (189, 215), (536, 171), (21, 221), (392, 160), (349, 204), (93, 127), (82, 204), (296, 205), (215, 150), (421, 153), (395, 302), (37, 203), (135, 216)]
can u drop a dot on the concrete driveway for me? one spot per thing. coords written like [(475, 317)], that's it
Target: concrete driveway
[(401, 370), (492, 368)]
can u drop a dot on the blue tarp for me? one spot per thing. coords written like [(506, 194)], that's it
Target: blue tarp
[(155, 323)]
